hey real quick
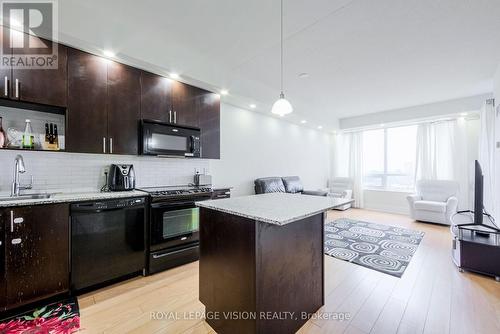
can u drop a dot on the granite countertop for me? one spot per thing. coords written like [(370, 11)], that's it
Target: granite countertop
[(275, 208), (71, 197)]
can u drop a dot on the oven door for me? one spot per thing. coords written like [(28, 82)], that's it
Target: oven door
[(174, 224), (170, 140)]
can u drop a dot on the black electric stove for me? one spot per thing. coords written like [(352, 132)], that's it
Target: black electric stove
[(174, 225)]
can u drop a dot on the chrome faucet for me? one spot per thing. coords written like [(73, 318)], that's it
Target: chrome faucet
[(19, 168)]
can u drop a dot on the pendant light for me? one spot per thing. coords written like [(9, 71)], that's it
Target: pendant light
[(282, 106)]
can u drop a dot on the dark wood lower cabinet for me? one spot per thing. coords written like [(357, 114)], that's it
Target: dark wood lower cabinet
[(36, 252)]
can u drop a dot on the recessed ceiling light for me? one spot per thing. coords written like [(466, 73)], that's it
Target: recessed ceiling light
[(174, 75), (304, 75), (253, 106), (224, 92), (382, 125), (303, 121), (320, 127), (109, 53)]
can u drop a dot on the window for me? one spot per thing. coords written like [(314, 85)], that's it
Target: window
[(389, 158)]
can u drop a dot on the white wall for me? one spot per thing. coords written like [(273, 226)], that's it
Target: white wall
[(496, 85), (255, 145)]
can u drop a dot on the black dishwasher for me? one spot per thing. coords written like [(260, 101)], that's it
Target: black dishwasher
[(107, 241)]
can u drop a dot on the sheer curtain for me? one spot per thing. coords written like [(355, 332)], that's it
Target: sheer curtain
[(487, 157), (442, 154), (348, 156)]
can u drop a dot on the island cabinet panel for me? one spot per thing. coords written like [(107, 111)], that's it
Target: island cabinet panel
[(156, 97), (87, 120), (36, 252), (123, 106), (250, 268)]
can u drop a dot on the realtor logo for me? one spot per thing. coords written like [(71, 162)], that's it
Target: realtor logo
[(28, 34)]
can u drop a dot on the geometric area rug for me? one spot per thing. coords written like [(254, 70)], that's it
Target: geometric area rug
[(384, 248)]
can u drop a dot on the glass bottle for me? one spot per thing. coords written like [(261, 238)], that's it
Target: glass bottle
[(28, 138), (3, 136)]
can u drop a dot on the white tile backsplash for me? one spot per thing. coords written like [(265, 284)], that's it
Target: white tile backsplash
[(72, 172)]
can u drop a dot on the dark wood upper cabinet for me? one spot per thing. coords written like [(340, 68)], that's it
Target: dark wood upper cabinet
[(87, 121), (44, 86), (37, 252), (123, 106), (156, 97), (185, 100), (209, 118)]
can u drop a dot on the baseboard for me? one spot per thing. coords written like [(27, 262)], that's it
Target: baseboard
[(389, 209)]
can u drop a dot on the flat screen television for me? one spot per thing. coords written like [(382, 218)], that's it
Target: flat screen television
[(478, 194)]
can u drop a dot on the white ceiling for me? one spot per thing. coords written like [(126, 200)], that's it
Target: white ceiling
[(362, 56)]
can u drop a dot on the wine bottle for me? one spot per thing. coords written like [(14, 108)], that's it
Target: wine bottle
[(51, 134), (47, 133), (56, 136), (3, 136)]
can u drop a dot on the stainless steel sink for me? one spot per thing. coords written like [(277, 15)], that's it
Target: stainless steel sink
[(27, 196)]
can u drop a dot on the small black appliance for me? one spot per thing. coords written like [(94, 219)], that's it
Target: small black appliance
[(121, 178)]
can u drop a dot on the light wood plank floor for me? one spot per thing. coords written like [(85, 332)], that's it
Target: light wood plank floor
[(431, 297)]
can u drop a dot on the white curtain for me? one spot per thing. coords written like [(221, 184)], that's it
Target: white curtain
[(442, 154), (348, 156), (487, 157)]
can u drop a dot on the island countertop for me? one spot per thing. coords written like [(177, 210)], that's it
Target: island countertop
[(275, 208)]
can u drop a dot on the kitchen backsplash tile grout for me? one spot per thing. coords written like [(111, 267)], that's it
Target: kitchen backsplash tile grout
[(74, 172)]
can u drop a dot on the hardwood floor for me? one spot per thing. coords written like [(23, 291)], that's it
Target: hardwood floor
[(431, 297)]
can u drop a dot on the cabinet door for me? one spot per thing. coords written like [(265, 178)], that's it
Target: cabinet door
[(5, 73), (3, 286), (44, 86), (87, 120), (185, 104), (123, 106), (209, 116), (37, 253), (156, 97)]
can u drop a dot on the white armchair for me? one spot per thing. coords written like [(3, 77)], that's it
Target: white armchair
[(435, 201), (341, 187)]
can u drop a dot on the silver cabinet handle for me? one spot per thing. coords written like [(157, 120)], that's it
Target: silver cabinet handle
[(175, 117), (16, 241), (111, 145), (103, 144), (6, 88), (170, 116), (17, 88), (11, 221)]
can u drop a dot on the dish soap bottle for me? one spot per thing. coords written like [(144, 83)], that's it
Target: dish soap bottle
[(28, 139), (3, 136)]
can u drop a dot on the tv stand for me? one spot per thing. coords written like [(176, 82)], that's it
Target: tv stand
[(476, 247)]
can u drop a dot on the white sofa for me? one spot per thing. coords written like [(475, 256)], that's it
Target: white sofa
[(435, 201), (341, 187)]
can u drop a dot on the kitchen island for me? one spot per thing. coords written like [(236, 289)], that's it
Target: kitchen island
[(261, 261)]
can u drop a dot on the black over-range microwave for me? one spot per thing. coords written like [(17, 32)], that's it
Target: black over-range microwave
[(164, 139)]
